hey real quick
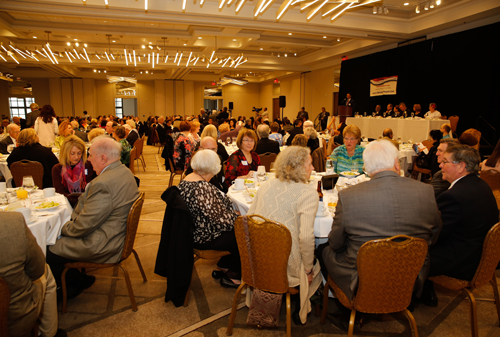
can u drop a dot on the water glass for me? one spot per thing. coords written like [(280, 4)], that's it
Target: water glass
[(3, 198), (412, 114), (28, 183), (354, 167)]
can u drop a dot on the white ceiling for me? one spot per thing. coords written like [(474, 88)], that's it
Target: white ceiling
[(309, 44)]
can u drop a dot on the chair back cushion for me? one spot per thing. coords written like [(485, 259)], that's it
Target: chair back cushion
[(132, 224), (453, 123), (489, 259), (4, 307), (133, 156), (492, 178), (387, 270), (267, 159), (270, 246), (23, 168), (139, 145), (318, 160)]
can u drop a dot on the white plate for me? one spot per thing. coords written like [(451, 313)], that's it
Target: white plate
[(33, 219), (348, 174), (47, 209)]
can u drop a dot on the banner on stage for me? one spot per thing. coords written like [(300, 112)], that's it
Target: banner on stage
[(383, 86)]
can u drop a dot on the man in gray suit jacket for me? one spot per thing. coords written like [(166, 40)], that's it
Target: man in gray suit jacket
[(98, 225), (385, 206), (33, 115), (31, 284)]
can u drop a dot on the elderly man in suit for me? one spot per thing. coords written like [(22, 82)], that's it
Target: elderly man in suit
[(385, 206), (468, 210), (265, 144), (13, 131), (133, 135), (30, 281), (33, 115), (98, 225)]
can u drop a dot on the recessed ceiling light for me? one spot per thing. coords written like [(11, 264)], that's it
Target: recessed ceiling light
[(113, 41), (143, 46), (75, 39), (150, 42), (289, 33), (235, 40), (406, 3), (324, 37), (34, 37), (199, 38), (338, 40), (69, 43), (185, 44), (261, 48)]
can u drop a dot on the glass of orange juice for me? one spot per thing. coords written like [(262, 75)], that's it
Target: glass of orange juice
[(22, 193)]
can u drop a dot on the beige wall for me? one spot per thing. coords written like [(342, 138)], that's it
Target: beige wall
[(244, 97)]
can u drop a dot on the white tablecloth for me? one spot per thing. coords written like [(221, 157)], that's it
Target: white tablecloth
[(417, 130)]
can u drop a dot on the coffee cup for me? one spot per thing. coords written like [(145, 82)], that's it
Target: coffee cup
[(26, 212), (49, 192), (239, 184)]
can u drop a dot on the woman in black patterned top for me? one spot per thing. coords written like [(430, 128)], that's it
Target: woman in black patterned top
[(213, 214)]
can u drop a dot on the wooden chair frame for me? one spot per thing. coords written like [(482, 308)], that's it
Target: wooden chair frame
[(173, 173), (139, 145), (4, 307), (128, 248), (23, 168)]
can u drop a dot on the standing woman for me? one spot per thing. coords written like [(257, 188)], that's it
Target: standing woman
[(65, 130), (245, 161), (73, 172), (183, 147), (46, 126)]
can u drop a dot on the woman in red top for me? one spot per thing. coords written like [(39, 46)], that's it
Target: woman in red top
[(245, 161)]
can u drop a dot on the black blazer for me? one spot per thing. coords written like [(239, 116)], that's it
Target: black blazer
[(267, 145), (468, 211), (175, 254), (38, 153), (4, 143), (293, 132)]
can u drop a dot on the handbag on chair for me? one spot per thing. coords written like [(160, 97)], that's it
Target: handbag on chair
[(265, 307)]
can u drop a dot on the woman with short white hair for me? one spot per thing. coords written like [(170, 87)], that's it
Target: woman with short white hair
[(213, 214)]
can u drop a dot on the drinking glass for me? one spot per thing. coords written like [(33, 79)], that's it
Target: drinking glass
[(354, 167), (28, 183), (412, 114), (399, 140), (10, 148), (373, 114), (228, 140), (329, 166), (261, 171)]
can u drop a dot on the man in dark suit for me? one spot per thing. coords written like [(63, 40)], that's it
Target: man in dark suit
[(385, 206), (162, 130), (33, 115), (13, 131), (348, 101), (303, 114), (468, 210), (265, 144), (222, 116), (297, 130), (133, 135), (323, 117), (438, 183)]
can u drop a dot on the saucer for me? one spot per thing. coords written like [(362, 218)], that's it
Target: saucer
[(33, 219)]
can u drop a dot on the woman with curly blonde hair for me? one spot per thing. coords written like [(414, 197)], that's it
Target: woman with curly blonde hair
[(290, 201)]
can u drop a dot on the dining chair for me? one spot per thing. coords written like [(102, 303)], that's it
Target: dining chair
[(128, 248), (139, 145), (427, 143), (20, 169), (206, 255), (331, 146), (492, 178), (387, 270), (133, 156), (270, 246), (4, 307), (419, 173), (453, 123), (323, 142), (319, 160), (267, 159), (174, 172), (485, 273)]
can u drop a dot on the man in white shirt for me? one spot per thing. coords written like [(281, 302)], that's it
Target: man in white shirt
[(13, 131)]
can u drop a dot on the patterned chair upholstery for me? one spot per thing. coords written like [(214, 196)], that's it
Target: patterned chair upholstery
[(387, 270), (492, 178), (485, 273)]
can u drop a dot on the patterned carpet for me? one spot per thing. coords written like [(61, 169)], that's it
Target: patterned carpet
[(104, 309)]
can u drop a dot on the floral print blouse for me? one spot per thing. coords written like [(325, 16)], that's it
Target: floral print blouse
[(236, 165), (183, 150)]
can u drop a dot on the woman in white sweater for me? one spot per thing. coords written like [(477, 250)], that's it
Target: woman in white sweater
[(289, 200), (46, 126)]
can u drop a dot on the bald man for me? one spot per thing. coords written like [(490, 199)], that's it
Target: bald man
[(208, 143)]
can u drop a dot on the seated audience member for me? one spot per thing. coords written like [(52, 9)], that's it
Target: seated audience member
[(417, 110), (437, 181), (436, 136), (245, 161), (378, 110), (29, 148), (225, 132), (208, 143), (65, 130), (446, 131), (11, 139), (193, 134), (297, 130), (264, 144), (31, 284), (312, 138), (275, 135), (349, 156), (183, 147), (133, 135), (213, 214), (232, 124), (432, 113), (211, 131), (162, 130), (98, 224), (390, 110), (94, 133), (293, 168), (337, 132), (79, 130), (493, 162), (119, 136), (404, 112), (468, 139), (287, 125), (468, 210), (388, 135), (396, 113), (300, 140), (385, 206), (73, 172), (110, 127)]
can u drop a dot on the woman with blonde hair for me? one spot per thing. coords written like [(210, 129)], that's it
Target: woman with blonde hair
[(65, 130), (73, 172), (95, 133), (211, 131), (29, 148), (46, 126), (193, 134), (349, 156), (293, 168), (300, 140)]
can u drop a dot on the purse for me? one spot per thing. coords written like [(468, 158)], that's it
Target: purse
[(265, 307)]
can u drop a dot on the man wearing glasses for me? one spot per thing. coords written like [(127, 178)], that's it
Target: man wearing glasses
[(468, 211), (13, 131)]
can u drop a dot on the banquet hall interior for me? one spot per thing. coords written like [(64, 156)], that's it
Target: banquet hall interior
[(167, 57)]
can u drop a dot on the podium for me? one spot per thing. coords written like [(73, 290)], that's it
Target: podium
[(344, 112)]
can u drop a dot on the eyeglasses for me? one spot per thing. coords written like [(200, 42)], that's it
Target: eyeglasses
[(248, 140), (449, 162)]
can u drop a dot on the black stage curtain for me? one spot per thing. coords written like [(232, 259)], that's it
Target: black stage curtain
[(459, 72)]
